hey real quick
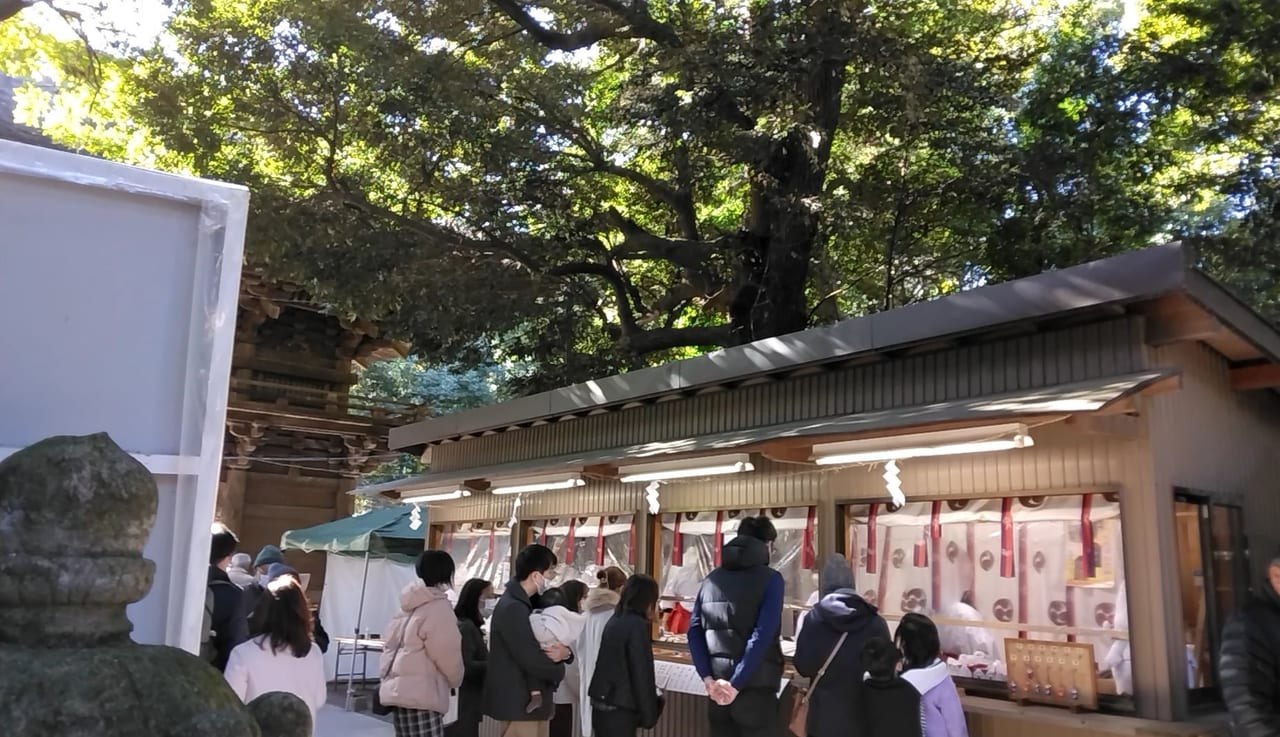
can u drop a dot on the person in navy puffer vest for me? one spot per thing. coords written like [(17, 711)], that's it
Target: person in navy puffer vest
[(734, 635)]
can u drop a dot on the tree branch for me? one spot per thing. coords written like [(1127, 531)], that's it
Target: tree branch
[(626, 312), (10, 8), (633, 337), (638, 243), (438, 235), (631, 23)]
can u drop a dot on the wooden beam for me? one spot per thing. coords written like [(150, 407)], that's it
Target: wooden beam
[(1119, 425), (1261, 376), (1182, 328), (788, 452)]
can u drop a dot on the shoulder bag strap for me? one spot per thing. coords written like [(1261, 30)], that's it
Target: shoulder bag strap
[(823, 670)]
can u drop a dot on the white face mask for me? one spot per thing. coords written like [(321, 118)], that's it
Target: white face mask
[(486, 609), (542, 583)]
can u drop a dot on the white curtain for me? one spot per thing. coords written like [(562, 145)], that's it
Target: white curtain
[(341, 603)]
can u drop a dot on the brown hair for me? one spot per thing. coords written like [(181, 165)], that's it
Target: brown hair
[(287, 623), (612, 578)]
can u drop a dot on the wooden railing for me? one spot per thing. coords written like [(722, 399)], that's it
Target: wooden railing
[(327, 402)]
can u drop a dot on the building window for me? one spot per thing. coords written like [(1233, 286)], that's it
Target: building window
[(479, 550), (584, 545), (1040, 568), (690, 546)]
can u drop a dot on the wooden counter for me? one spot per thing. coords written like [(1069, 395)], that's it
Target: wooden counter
[(686, 716)]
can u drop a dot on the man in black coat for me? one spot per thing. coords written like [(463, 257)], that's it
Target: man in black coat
[(1249, 664), (734, 635), (225, 618), (518, 665)]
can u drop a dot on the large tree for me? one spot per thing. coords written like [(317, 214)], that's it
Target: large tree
[(594, 185), (600, 183)]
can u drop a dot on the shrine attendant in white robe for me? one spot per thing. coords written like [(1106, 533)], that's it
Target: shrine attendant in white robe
[(960, 640)]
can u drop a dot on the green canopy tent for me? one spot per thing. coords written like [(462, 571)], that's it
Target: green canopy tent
[(397, 533), (382, 533)]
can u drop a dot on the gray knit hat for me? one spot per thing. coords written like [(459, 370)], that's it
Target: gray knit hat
[(836, 574)]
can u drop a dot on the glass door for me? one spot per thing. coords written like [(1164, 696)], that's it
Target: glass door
[(1213, 578)]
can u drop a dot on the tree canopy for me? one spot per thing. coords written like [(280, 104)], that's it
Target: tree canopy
[(595, 185)]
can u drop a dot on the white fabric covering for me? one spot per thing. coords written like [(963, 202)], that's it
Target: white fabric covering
[(341, 603)]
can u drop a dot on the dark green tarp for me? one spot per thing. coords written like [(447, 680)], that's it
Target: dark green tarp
[(384, 532)]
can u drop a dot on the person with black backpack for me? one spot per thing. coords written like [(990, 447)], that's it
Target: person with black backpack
[(226, 623)]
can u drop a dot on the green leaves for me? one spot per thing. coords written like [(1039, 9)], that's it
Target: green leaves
[(588, 187)]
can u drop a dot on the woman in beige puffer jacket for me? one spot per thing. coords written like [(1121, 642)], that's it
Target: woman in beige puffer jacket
[(422, 651)]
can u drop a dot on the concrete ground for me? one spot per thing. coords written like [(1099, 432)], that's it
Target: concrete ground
[(333, 721)]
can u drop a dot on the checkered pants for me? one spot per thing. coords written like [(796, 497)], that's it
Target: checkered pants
[(418, 723)]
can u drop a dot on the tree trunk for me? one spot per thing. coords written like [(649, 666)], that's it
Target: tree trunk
[(782, 218)]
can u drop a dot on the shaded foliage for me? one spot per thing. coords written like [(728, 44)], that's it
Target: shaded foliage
[(588, 186)]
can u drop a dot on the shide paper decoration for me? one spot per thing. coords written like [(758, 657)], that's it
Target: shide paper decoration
[(651, 496), (893, 484)]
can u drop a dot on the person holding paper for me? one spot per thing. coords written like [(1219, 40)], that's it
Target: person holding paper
[(734, 635)]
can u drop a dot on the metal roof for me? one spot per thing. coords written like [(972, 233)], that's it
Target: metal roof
[(1066, 399), (1128, 278)]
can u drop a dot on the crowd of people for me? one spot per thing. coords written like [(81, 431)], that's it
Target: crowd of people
[(259, 629), (556, 662), (573, 660)]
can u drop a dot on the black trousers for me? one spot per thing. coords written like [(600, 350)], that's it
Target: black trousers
[(616, 723), (753, 714), (463, 728), (562, 721)]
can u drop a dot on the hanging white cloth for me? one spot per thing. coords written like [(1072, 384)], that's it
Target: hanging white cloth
[(341, 603)]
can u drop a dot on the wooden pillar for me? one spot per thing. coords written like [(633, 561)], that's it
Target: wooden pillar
[(344, 504), (230, 508), (1151, 576)]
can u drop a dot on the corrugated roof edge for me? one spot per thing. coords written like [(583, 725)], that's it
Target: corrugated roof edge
[(1065, 399), (1126, 278)]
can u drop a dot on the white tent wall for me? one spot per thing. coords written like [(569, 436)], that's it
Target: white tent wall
[(118, 295), (340, 606)]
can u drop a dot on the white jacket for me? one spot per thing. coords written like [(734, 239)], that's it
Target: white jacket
[(599, 606), (557, 625), (254, 669)]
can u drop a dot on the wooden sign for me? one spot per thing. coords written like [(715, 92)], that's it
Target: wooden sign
[(1052, 673)]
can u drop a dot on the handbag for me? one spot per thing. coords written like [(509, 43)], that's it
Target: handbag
[(451, 715), (800, 709), (377, 707)]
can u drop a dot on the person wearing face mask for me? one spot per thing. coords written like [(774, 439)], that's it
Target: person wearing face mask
[(475, 605), (518, 665), (253, 592), (422, 658)]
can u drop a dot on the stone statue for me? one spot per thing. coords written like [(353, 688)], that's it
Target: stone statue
[(75, 513)]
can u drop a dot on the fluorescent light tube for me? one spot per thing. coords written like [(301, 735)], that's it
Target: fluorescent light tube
[(543, 483), (688, 468), (437, 496), (924, 445)]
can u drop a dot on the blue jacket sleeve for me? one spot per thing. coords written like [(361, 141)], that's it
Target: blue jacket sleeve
[(768, 623), (698, 641)]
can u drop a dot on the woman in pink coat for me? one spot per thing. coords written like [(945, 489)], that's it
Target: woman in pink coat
[(422, 652)]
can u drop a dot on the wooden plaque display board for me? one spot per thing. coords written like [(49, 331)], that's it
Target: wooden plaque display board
[(1052, 673)]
